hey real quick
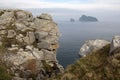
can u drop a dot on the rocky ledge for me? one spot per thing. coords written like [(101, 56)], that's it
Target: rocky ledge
[(91, 46), (28, 45)]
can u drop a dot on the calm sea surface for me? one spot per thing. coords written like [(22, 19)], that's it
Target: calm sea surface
[(74, 34)]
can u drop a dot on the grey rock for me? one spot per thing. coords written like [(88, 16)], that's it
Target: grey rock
[(115, 43), (2, 32), (19, 38), (30, 38), (45, 16), (6, 18), (11, 33), (91, 46), (38, 54), (49, 55), (36, 40), (13, 48), (20, 26), (44, 45), (23, 15), (52, 39), (2, 27), (19, 58), (40, 35)]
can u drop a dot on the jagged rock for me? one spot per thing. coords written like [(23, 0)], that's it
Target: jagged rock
[(91, 46), (40, 35), (44, 45), (11, 33), (38, 54), (20, 26), (30, 38), (45, 16), (19, 58), (23, 15), (3, 32), (6, 18), (115, 43), (2, 27), (19, 38), (49, 55), (27, 43)]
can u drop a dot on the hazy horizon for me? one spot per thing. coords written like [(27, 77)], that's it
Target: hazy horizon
[(63, 10), (61, 14)]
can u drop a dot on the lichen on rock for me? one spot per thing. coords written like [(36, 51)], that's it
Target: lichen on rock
[(27, 43)]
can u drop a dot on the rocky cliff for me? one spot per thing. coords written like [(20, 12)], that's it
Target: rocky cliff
[(101, 61), (28, 45)]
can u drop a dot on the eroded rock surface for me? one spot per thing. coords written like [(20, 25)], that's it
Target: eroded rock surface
[(115, 43), (28, 45), (92, 45)]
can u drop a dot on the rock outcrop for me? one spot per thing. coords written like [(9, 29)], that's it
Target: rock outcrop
[(115, 44), (85, 18), (98, 63), (72, 20), (28, 45), (92, 46)]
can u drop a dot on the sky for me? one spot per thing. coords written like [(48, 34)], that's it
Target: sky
[(69, 4), (64, 9)]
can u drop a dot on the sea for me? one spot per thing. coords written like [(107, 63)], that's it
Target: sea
[(74, 34)]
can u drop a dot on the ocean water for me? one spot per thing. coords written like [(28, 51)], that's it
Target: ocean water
[(74, 34)]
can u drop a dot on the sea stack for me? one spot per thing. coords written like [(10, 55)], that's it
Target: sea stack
[(85, 18)]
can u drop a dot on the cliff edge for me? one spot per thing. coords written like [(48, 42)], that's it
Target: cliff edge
[(28, 45), (100, 61)]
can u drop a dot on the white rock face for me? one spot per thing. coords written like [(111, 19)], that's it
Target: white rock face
[(91, 46), (115, 43)]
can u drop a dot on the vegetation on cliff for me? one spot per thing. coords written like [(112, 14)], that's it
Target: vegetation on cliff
[(4, 74), (96, 66)]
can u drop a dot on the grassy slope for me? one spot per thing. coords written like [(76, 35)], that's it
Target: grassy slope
[(96, 66), (3, 73)]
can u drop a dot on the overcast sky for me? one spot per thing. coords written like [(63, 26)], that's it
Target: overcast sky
[(103, 9), (70, 4)]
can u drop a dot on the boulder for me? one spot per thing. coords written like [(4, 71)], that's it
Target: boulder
[(40, 35), (2, 32), (45, 16), (11, 34), (30, 38), (115, 43), (91, 46), (20, 26), (6, 18), (44, 45)]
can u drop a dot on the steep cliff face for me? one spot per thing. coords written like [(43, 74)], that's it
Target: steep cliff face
[(28, 44)]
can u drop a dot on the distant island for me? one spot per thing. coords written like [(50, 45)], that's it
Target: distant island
[(72, 20), (85, 18)]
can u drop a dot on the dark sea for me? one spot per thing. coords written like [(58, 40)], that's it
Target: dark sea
[(74, 34)]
